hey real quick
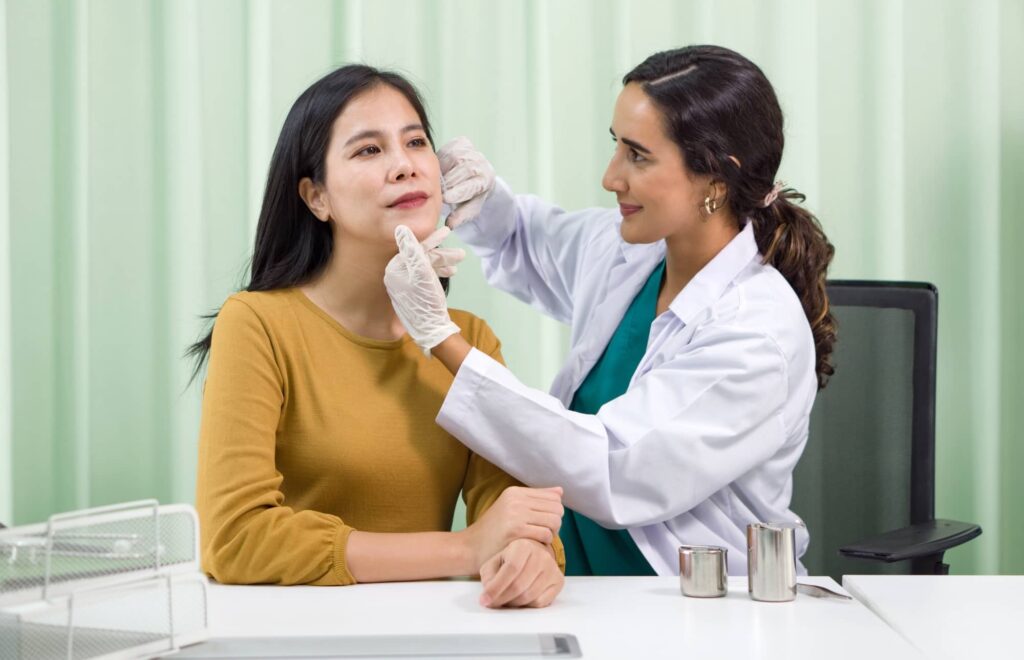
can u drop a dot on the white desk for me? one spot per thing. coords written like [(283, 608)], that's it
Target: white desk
[(611, 617), (949, 616)]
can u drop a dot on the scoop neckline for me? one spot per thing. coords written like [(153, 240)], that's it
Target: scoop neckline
[(368, 342)]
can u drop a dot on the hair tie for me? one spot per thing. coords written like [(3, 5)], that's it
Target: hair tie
[(773, 194)]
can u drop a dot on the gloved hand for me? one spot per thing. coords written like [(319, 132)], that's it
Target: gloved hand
[(444, 260), (415, 291), (467, 178)]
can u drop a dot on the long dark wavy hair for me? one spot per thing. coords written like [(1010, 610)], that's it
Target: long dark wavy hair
[(719, 106), (292, 246)]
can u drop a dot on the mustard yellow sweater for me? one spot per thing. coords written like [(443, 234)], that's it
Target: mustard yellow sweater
[(309, 431)]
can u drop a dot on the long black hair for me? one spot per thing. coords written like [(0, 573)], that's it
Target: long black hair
[(722, 112), (293, 246)]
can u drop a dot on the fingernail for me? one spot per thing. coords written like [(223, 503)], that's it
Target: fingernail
[(485, 600)]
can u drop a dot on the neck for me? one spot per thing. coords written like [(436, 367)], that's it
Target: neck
[(686, 254), (351, 290)]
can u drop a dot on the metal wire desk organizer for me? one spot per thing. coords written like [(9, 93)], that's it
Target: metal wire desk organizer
[(113, 582)]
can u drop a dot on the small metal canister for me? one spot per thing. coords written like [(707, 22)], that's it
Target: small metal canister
[(702, 571), (771, 561)]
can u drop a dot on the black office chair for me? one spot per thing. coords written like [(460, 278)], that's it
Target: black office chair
[(865, 484)]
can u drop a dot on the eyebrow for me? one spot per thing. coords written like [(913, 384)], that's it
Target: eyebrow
[(631, 143), (372, 133)]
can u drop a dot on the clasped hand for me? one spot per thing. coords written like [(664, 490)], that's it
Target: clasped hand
[(512, 542)]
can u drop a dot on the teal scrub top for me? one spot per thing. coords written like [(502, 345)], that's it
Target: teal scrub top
[(589, 548)]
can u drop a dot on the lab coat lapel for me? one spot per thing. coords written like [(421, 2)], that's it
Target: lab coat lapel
[(708, 285), (626, 276)]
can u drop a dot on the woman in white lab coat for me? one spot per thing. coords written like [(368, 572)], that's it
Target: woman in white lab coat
[(700, 322)]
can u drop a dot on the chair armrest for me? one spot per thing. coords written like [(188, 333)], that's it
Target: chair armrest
[(920, 540)]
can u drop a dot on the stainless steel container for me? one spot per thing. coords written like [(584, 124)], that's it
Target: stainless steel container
[(771, 561), (702, 571)]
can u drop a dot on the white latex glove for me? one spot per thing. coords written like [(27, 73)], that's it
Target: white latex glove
[(415, 291), (467, 178), (444, 260)]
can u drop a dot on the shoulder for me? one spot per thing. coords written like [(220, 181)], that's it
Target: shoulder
[(761, 301), (476, 331), (267, 306), (263, 303), (249, 311)]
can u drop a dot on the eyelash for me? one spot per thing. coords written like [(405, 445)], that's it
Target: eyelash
[(634, 155), (364, 151)]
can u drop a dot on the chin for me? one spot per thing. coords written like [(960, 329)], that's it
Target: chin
[(632, 237), (639, 232), (422, 223)]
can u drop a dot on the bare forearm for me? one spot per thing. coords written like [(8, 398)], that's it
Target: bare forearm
[(374, 557), (452, 352)]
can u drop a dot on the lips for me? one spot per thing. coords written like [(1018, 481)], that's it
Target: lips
[(409, 201), (628, 209)]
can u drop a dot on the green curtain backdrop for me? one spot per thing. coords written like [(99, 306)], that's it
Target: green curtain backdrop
[(135, 136)]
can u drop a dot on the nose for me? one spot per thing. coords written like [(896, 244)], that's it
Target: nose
[(402, 168), (612, 181)]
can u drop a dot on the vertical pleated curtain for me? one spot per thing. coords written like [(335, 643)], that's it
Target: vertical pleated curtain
[(135, 137)]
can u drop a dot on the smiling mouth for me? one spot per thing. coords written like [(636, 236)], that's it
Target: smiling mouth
[(410, 201)]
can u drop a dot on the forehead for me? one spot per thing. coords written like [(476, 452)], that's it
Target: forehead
[(381, 108), (637, 117)]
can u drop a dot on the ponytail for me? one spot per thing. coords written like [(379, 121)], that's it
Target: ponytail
[(791, 240)]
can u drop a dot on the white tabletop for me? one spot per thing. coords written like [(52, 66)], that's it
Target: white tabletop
[(949, 616), (612, 617)]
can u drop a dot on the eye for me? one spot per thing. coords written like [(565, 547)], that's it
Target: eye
[(635, 157), (419, 142), (369, 150)]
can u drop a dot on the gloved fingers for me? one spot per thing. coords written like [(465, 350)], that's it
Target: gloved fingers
[(463, 212), (408, 246), (410, 251), (453, 151), (455, 193), (432, 241), (460, 173), (446, 256), (444, 268)]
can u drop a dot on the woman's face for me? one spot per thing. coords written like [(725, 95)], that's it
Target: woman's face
[(658, 195), (381, 172)]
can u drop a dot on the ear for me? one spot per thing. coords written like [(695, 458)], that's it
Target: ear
[(721, 190), (316, 199)]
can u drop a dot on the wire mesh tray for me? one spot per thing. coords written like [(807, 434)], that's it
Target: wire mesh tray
[(111, 582)]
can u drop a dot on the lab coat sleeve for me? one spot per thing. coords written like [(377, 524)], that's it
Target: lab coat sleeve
[(683, 431), (485, 483), (532, 249)]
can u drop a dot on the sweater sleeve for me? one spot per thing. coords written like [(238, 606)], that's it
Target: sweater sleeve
[(248, 533), (484, 481)]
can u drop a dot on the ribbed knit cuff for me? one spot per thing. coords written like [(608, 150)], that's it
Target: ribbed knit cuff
[(340, 566)]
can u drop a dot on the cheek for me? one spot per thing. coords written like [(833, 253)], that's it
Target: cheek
[(431, 170), (674, 194), (348, 188)]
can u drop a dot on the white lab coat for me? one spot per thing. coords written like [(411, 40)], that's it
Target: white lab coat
[(716, 416)]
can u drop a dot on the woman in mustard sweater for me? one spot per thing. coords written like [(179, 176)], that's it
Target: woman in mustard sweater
[(319, 458)]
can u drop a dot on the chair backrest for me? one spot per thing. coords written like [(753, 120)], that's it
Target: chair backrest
[(869, 463)]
